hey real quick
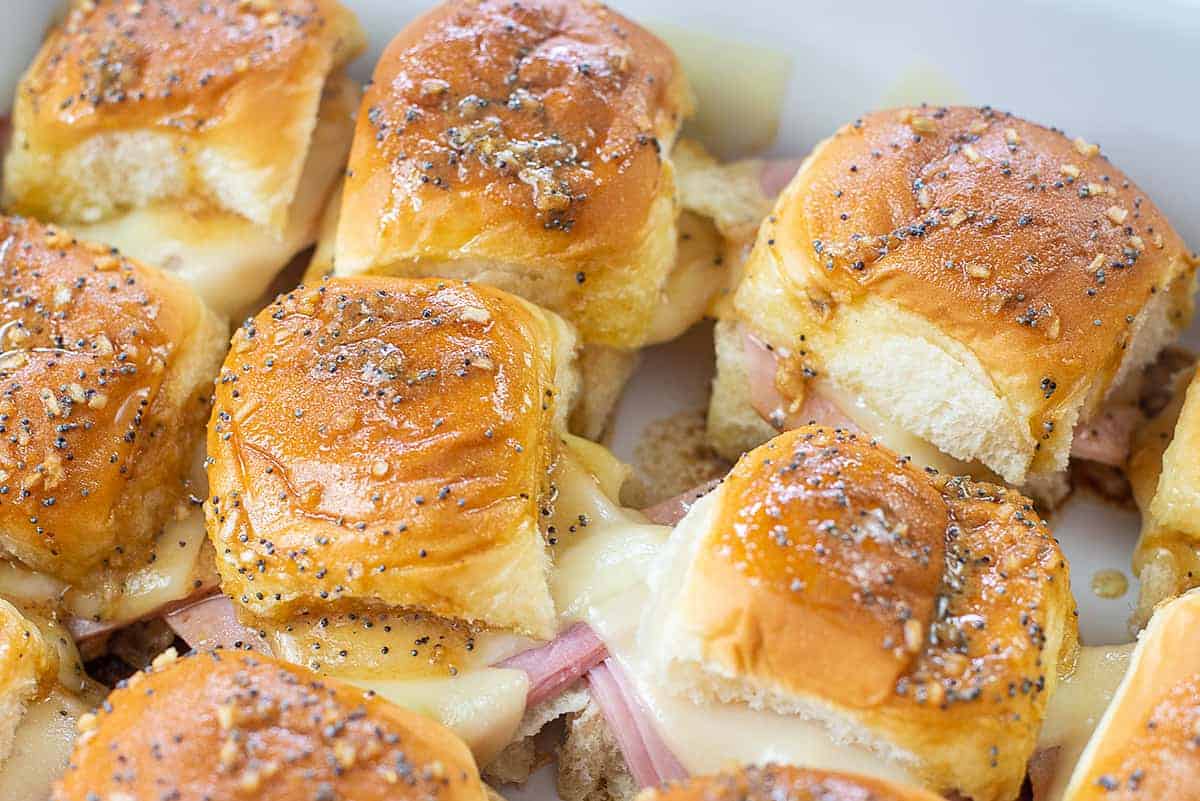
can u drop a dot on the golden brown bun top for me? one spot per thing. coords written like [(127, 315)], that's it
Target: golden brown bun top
[(172, 63), (556, 111), (773, 782), (839, 525), (1159, 759), (88, 338), (1008, 236), (886, 580), (373, 437), (231, 724)]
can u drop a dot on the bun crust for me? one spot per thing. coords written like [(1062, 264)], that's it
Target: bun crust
[(930, 611), (1145, 745), (834, 542), (229, 724), (525, 145), (784, 783), (1028, 261), (218, 98), (104, 377), (387, 441)]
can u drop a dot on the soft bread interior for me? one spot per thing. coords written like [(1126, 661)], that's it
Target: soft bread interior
[(590, 764), (734, 425), (524, 754), (229, 259), (603, 373)]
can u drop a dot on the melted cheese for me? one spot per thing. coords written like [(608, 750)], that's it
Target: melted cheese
[(434, 667), (227, 259), (600, 577), (698, 277), (903, 442), (170, 577), (484, 707), (41, 747), (1076, 707)]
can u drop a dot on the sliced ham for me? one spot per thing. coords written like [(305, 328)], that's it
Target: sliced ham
[(1043, 766), (211, 622), (1105, 438), (769, 402), (777, 174), (672, 510), (83, 629), (559, 663), (648, 758)]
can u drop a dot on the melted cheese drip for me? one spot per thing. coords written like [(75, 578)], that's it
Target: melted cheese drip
[(227, 259), (922, 453), (429, 666), (600, 577), (1076, 707), (484, 707), (170, 577), (697, 279), (41, 747)]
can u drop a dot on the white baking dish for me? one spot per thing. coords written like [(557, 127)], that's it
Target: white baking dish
[(1121, 74)]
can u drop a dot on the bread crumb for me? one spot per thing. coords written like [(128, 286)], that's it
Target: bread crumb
[(672, 457)]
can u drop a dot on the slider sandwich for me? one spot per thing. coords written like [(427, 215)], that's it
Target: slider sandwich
[(201, 136), (218, 725), (1145, 744), (532, 146), (774, 782), (43, 692), (833, 607), (106, 367), (391, 492), (975, 290)]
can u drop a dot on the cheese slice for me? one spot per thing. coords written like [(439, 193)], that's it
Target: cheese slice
[(1076, 707), (41, 747), (484, 707), (227, 259)]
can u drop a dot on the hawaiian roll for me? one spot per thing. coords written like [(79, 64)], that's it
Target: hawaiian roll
[(385, 443), (918, 615), (976, 281), (774, 782), (232, 724), (202, 137), (105, 371), (525, 145)]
